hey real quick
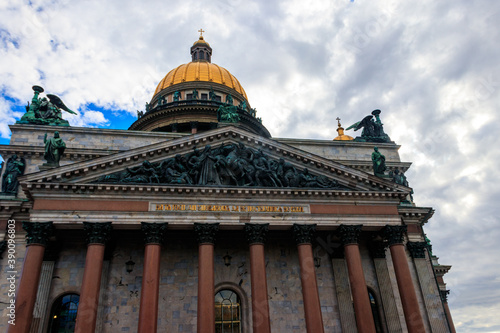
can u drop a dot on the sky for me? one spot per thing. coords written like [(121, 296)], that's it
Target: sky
[(432, 67)]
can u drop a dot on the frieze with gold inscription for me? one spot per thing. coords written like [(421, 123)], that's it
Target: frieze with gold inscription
[(165, 207)]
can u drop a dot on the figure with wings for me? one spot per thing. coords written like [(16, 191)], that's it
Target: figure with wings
[(14, 168), (373, 130), (45, 110)]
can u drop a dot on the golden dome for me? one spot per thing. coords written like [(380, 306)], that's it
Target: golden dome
[(200, 71), (201, 40)]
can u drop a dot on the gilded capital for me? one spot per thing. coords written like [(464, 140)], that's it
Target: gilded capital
[(256, 233), (394, 234), (206, 232), (417, 249), (154, 233), (38, 232), (303, 233), (349, 234), (97, 233)]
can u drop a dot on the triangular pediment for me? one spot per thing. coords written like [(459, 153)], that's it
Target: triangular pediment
[(224, 157)]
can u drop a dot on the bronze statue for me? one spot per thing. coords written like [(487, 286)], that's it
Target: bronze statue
[(177, 96), (378, 162), (14, 168), (373, 130), (43, 111), (54, 149), (228, 114)]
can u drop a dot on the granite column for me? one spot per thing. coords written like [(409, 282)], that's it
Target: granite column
[(303, 234), (205, 233), (256, 236), (97, 235), (154, 234), (349, 234), (37, 237)]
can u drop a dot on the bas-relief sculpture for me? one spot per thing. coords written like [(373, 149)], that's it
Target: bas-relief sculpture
[(13, 169), (43, 111), (373, 129), (225, 165)]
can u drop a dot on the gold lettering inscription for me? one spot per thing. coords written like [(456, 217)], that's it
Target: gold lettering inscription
[(227, 208)]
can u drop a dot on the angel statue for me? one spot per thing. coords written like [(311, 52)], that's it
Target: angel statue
[(373, 129), (14, 168), (45, 111)]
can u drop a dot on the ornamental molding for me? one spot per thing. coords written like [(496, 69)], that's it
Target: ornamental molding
[(303, 233), (97, 233), (154, 233), (81, 176), (256, 233), (206, 232), (38, 232)]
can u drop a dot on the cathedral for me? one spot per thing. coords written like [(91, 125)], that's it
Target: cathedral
[(196, 219)]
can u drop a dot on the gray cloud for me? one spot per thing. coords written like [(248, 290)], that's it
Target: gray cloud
[(431, 67)]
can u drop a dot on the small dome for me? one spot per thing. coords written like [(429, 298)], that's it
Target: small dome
[(200, 71), (201, 40)]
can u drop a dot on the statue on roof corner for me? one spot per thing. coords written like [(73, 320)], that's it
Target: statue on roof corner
[(43, 111), (373, 129), (14, 168)]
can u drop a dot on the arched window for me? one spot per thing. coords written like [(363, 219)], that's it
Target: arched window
[(63, 314), (375, 312), (202, 55), (227, 312)]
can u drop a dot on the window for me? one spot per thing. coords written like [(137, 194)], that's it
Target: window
[(202, 55), (227, 312), (204, 96), (63, 314), (375, 313)]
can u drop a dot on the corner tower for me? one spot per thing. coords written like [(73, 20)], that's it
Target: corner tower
[(191, 97)]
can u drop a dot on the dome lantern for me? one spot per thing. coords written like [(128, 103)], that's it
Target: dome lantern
[(201, 50)]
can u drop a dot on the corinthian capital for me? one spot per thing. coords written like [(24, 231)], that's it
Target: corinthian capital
[(206, 232), (38, 232), (154, 233), (97, 233)]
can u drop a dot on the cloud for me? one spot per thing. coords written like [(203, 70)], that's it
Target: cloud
[(432, 68)]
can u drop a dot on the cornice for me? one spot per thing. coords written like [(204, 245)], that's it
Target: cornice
[(69, 153), (85, 189)]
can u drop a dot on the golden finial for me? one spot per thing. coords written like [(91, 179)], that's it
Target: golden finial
[(201, 31), (340, 130)]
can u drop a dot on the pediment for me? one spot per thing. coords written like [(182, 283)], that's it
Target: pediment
[(227, 157)]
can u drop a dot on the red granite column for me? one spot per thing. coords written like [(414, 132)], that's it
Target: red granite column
[(97, 235), (312, 307), (154, 234), (349, 235), (206, 304), (413, 317), (256, 236), (37, 237)]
